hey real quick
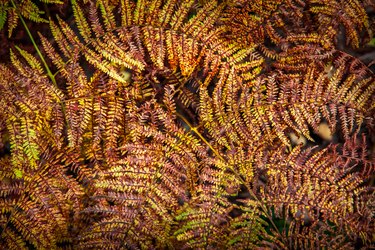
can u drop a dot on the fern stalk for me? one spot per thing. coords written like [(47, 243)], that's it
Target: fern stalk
[(35, 46)]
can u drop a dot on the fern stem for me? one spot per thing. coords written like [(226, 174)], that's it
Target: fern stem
[(35, 46), (200, 136)]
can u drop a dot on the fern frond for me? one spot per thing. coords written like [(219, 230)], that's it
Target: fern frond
[(328, 202), (353, 26), (40, 204), (201, 225), (150, 180), (82, 24), (246, 229), (28, 9), (308, 103)]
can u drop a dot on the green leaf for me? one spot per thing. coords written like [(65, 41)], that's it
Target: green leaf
[(372, 42), (3, 16), (18, 173)]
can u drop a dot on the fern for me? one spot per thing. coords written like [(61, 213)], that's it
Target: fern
[(11, 10), (167, 125)]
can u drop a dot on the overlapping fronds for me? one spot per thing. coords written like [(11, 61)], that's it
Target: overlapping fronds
[(170, 124), (280, 103), (36, 190), (292, 33), (321, 194), (155, 169), (10, 10)]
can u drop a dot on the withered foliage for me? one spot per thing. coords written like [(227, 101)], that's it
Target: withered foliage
[(168, 125)]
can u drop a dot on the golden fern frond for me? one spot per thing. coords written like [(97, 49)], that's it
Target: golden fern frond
[(78, 117), (148, 181), (216, 216), (34, 97), (82, 24), (29, 213), (184, 46), (301, 237), (204, 219), (47, 198), (27, 9)]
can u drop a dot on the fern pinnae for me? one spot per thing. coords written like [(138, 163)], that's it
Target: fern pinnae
[(81, 22), (178, 118), (36, 47), (108, 17), (139, 13), (178, 17)]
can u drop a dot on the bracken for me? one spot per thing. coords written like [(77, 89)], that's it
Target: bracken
[(167, 125)]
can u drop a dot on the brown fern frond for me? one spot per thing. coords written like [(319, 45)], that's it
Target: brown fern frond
[(302, 103), (41, 204), (293, 33), (326, 193), (30, 131)]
